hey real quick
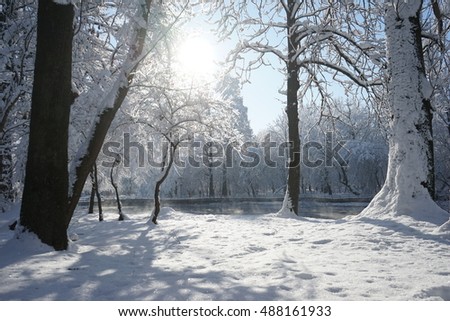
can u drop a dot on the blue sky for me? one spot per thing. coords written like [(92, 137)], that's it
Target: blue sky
[(262, 99)]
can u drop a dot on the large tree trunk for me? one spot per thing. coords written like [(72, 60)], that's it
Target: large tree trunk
[(45, 195), (291, 198), (407, 188)]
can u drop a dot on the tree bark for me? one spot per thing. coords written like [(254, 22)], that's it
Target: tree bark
[(92, 196), (116, 190), (211, 189), (156, 194), (293, 85), (45, 195), (97, 193)]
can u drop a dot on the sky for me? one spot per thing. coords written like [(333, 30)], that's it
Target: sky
[(262, 99), (260, 92)]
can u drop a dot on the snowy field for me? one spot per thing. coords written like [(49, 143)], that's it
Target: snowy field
[(229, 257)]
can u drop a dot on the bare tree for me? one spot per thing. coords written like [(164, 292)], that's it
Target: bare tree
[(95, 193), (116, 189), (316, 42), (48, 181), (17, 31), (88, 152)]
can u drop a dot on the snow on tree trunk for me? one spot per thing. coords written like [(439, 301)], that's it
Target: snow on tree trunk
[(88, 152), (405, 190)]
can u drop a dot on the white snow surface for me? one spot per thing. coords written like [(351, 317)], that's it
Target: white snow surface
[(229, 257)]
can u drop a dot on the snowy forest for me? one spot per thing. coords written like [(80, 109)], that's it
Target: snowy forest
[(115, 120)]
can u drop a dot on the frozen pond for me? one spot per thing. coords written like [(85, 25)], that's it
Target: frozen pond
[(332, 209)]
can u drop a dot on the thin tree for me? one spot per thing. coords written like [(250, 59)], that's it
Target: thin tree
[(116, 189), (95, 193), (314, 42), (92, 195), (108, 108), (17, 22), (168, 160)]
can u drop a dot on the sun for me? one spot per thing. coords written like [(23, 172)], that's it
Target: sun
[(196, 58)]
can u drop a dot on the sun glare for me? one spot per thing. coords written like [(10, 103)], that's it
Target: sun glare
[(196, 58)]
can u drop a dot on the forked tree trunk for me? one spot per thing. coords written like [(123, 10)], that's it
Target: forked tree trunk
[(45, 196), (165, 172)]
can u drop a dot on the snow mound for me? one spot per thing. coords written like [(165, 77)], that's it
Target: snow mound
[(166, 211), (27, 242), (444, 230), (126, 217), (392, 207), (285, 213)]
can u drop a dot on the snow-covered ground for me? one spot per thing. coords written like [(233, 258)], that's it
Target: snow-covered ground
[(229, 257)]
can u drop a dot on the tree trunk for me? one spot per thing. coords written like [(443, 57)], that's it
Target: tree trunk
[(92, 197), (224, 180), (116, 190), (87, 158), (45, 195), (408, 184), (156, 195), (211, 191), (97, 193), (291, 199), (343, 179)]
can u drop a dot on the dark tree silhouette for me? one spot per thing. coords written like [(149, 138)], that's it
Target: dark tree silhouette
[(45, 196)]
